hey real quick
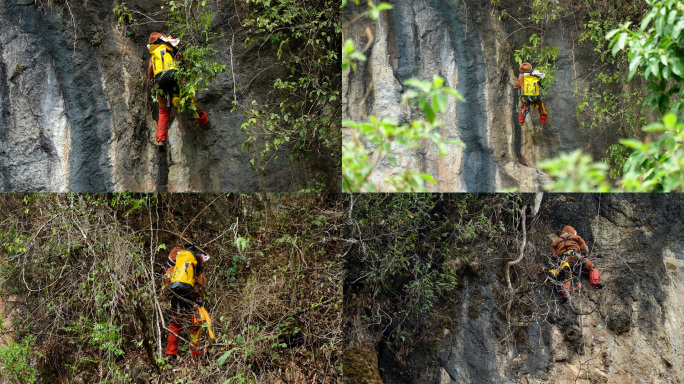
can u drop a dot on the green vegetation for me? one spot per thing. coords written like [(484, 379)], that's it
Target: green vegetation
[(651, 166), (16, 361), (87, 273), (190, 21), (575, 172), (123, 13), (375, 141), (386, 135), (610, 104), (406, 254), (305, 109), (656, 166), (656, 51), (542, 58)]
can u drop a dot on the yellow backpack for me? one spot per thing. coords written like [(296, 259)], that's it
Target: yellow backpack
[(531, 88), (162, 59), (184, 271)]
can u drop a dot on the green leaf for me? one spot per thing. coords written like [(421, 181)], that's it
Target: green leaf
[(441, 101), (647, 20), (677, 30), (670, 120), (671, 17), (420, 84), (384, 6), (633, 66), (612, 33), (659, 25), (224, 357), (620, 44), (632, 143)]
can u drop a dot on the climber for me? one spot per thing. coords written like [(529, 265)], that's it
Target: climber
[(185, 283), (161, 70), (528, 82), (569, 249)]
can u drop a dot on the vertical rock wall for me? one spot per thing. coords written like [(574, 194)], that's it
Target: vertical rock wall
[(76, 113), (470, 45), (631, 331)]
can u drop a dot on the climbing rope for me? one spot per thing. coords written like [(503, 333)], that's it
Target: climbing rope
[(180, 126), (584, 339)]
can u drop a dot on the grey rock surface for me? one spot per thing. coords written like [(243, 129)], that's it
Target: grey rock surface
[(471, 46), (76, 113), (631, 331)]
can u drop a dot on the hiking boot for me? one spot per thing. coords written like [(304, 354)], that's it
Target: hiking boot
[(202, 119), (594, 279)]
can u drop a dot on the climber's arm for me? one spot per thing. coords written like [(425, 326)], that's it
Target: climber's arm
[(519, 82), (583, 246)]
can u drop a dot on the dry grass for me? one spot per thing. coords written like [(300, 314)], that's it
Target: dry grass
[(87, 270)]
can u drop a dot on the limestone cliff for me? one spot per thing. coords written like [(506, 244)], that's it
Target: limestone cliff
[(631, 331), (471, 44), (76, 113)]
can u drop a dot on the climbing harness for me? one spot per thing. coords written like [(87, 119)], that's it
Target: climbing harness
[(566, 276)]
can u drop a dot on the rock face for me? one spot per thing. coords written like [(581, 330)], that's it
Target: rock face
[(632, 331), (76, 113), (470, 45)]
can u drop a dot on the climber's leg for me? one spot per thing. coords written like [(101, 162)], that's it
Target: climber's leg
[(200, 115), (593, 274), (172, 343), (594, 279), (565, 290), (523, 112), (195, 333), (202, 118), (542, 112), (163, 123)]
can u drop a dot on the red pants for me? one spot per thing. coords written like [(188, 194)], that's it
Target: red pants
[(178, 322), (165, 113)]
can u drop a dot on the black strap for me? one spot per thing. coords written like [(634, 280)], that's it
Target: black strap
[(565, 240)]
